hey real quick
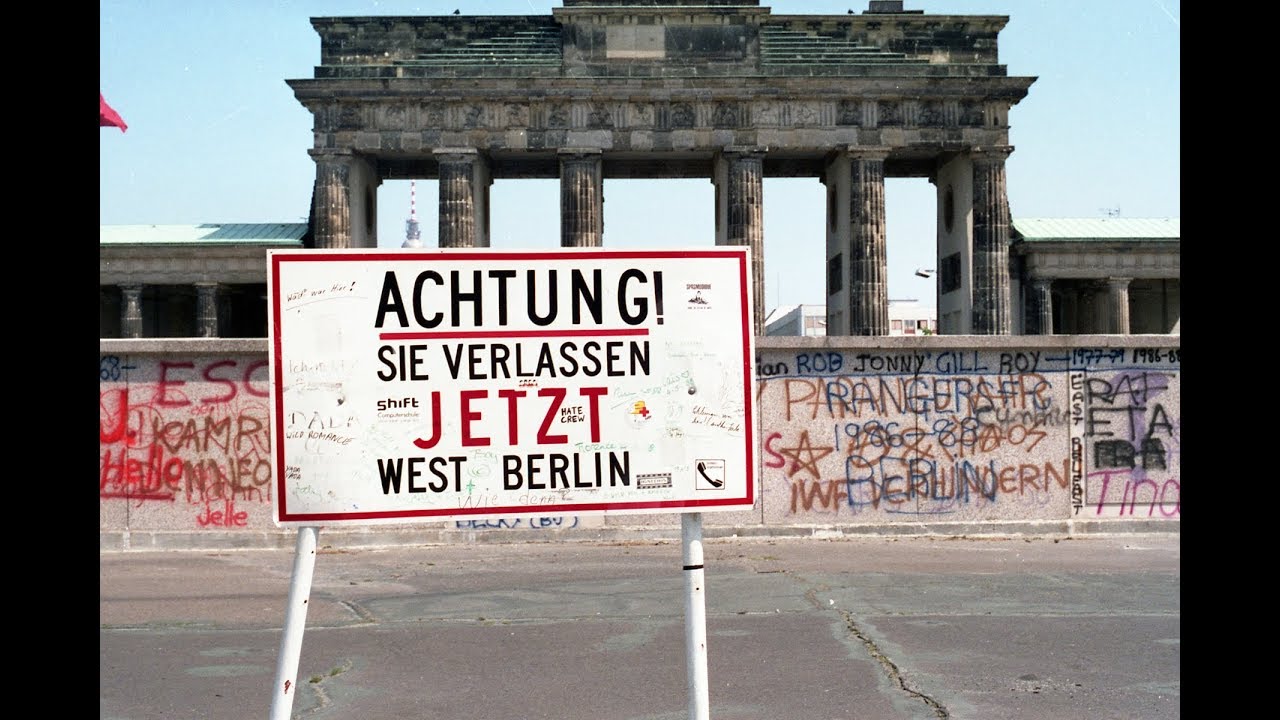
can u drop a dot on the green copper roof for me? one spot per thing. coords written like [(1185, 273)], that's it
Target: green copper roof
[(203, 234), (1028, 229), (1085, 229)]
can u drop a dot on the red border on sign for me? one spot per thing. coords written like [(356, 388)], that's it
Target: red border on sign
[(452, 255)]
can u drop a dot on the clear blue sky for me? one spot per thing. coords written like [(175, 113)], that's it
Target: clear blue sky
[(215, 134)]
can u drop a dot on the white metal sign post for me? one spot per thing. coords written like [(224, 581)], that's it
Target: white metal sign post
[(430, 385), (295, 620), (695, 616)]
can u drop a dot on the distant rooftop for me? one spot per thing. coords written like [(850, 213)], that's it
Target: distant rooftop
[(203, 234), (1107, 228)]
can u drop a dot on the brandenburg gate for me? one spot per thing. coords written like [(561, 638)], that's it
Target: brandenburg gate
[(720, 89)]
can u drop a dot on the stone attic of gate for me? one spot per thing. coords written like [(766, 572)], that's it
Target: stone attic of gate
[(730, 91)]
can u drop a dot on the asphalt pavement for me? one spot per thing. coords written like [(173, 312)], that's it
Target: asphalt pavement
[(872, 628)]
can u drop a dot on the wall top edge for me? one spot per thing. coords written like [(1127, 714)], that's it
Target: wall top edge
[(119, 346), (976, 342), (774, 342)]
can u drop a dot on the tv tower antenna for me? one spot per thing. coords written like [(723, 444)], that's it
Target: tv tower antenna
[(412, 234)]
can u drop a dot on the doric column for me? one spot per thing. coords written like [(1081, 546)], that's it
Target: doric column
[(1070, 309), (332, 210), (581, 198), (992, 302), (1099, 308), (745, 214), (868, 255), (457, 197), (131, 311), (1119, 291), (207, 310), (1041, 313)]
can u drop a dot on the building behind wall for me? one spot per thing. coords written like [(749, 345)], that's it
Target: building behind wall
[(209, 280), (1086, 276), (185, 281), (1110, 275), (906, 317)]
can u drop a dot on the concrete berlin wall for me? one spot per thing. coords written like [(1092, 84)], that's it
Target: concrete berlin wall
[(951, 435)]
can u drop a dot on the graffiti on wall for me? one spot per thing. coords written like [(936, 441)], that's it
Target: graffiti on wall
[(845, 436), (1126, 433), (973, 435), (547, 522), (186, 433)]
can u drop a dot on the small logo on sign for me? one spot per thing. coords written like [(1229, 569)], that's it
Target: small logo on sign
[(708, 475), (639, 414), (646, 481), (696, 301)]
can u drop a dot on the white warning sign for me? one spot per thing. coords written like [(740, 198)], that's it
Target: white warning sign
[(445, 384)]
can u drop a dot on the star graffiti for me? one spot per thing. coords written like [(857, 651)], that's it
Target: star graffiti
[(812, 456)]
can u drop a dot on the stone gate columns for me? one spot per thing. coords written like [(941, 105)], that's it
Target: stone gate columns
[(992, 303), (331, 212), (1041, 307), (131, 311), (464, 198), (206, 310), (1118, 289), (740, 171), (868, 263), (345, 205), (581, 198)]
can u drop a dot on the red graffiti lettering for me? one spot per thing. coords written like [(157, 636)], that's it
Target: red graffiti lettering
[(775, 459), (225, 516)]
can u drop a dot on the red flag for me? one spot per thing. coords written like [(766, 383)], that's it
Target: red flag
[(107, 117)]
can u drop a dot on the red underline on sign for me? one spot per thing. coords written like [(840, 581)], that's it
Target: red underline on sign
[(463, 334)]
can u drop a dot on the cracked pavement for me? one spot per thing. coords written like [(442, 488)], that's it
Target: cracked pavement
[(873, 628)]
